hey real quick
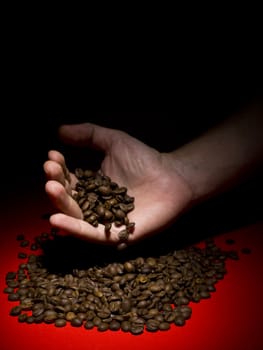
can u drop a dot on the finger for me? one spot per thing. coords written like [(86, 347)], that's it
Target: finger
[(83, 229), (54, 171), (58, 157), (87, 134), (62, 200)]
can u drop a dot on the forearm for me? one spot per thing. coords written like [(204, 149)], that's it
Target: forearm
[(223, 156)]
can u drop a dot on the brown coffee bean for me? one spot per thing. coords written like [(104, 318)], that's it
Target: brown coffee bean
[(15, 311), (103, 326), (60, 322), (123, 235), (89, 324)]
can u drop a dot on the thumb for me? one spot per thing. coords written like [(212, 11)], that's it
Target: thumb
[(88, 134)]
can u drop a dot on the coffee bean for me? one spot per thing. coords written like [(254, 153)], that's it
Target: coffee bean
[(246, 250), (230, 241), (20, 237), (103, 326), (15, 311), (179, 321), (89, 325), (136, 330), (125, 326), (114, 325), (22, 318), (103, 201), (123, 235), (21, 255), (164, 326), (13, 297), (24, 243), (60, 322), (11, 275), (143, 293), (8, 290), (76, 322), (152, 325), (30, 319)]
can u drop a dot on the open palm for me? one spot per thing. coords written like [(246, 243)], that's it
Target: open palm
[(160, 194)]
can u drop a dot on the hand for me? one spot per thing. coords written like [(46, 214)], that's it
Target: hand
[(149, 176)]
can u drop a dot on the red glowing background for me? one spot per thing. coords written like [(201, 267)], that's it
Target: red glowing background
[(230, 319)]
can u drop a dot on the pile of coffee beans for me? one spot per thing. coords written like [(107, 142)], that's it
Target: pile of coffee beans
[(103, 201), (129, 294)]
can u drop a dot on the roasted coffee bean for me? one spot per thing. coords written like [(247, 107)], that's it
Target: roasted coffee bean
[(103, 326), (22, 318), (179, 321), (89, 324), (24, 243), (20, 237), (123, 235), (135, 295), (97, 321), (15, 311), (76, 322), (30, 319), (233, 255), (34, 246), (60, 322), (114, 325), (125, 326), (152, 325), (230, 241), (13, 297), (8, 290), (246, 251), (164, 326), (136, 329), (103, 201), (22, 255)]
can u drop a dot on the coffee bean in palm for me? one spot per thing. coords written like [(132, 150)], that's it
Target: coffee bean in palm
[(123, 235), (103, 201)]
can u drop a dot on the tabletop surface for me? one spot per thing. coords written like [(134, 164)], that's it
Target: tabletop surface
[(230, 319)]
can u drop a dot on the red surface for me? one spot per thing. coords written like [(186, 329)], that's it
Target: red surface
[(230, 319)]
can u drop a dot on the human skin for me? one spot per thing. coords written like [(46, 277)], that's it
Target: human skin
[(164, 185)]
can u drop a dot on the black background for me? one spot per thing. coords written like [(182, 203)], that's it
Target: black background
[(164, 113)]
